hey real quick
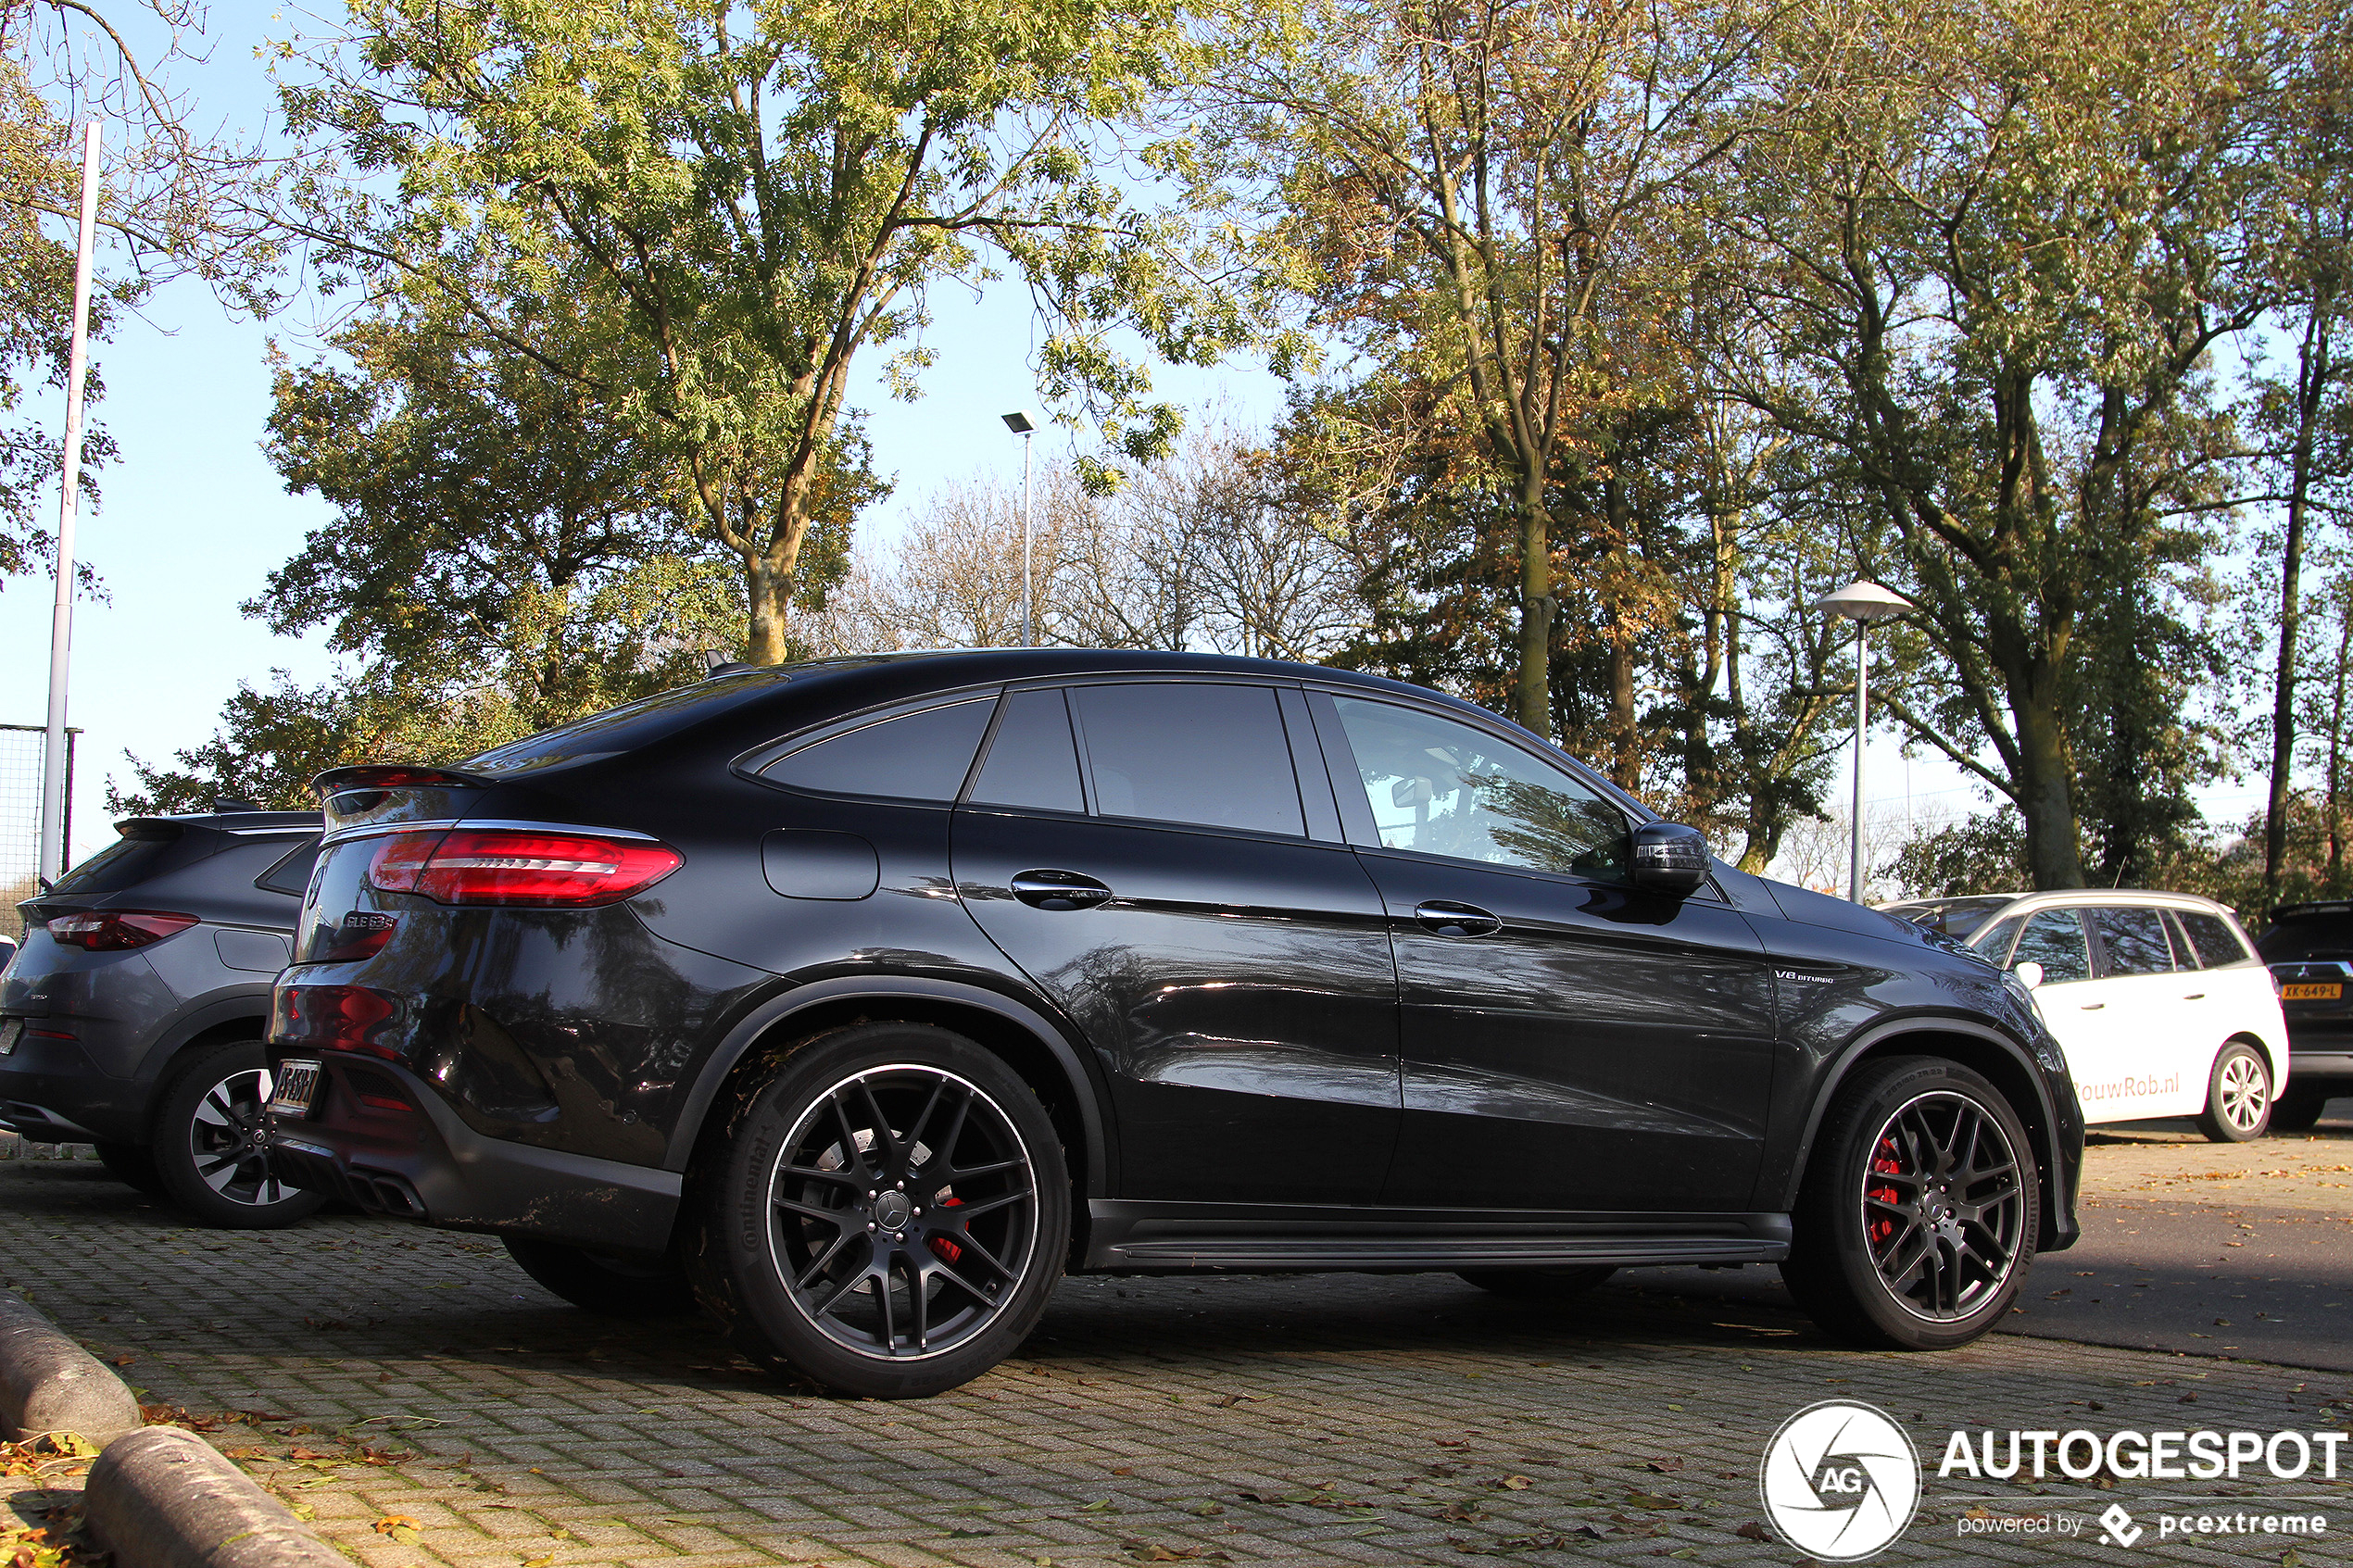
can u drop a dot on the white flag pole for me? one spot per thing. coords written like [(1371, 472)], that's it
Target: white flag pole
[(53, 752)]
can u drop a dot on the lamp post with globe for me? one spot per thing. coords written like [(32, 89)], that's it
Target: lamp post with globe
[(1866, 604)]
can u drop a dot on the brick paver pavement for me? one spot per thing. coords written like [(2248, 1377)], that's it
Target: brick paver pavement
[(431, 1407)]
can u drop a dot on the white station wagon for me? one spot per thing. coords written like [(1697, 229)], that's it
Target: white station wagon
[(2159, 1000)]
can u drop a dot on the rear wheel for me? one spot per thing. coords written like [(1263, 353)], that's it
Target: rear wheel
[(1916, 1218), (2238, 1095), (887, 1215), (133, 1165), (211, 1143), (2299, 1109), (610, 1286), (1540, 1284)]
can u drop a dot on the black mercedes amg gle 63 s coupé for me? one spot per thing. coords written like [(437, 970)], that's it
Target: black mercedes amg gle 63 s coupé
[(860, 999)]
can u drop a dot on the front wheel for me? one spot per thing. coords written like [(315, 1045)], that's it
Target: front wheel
[(887, 1215), (2238, 1095), (211, 1142), (1916, 1218)]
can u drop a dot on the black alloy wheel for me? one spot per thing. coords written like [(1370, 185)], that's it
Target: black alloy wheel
[(2238, 1095), (211, 1142), (1916, 1220), (891, 1214)]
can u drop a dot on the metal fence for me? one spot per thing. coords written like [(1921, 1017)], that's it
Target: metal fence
[(20, 750)]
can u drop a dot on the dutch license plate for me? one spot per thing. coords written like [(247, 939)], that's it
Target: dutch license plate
[(11, 1031), (297, 1087), (2313, 991)]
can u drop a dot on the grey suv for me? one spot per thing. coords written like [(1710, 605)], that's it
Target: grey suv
[(131, 1016)]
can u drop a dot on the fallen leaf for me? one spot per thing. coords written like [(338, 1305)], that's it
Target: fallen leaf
[(1514, 1484), (1753, 1531), (1664, 1466), (124, 1360), (392, 1521)]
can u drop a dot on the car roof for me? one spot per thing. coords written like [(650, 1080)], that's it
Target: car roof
[(2110, 898)]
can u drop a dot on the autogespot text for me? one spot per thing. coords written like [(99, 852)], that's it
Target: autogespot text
[(2202, 1455)]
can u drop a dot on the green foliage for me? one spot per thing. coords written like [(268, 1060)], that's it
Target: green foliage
[(754, 196)]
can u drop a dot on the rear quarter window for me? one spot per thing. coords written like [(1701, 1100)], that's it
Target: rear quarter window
[(124, 863), (921, 755)]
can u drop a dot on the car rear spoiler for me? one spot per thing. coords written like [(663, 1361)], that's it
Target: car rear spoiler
[(397, 775)]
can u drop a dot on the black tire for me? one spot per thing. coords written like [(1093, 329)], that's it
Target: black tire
[(2238, 1095), (1539, 1285), (2300, 1108), (612, 1288), (133, 1165), (1916, 1218), (211, 1148), (843, 1171)]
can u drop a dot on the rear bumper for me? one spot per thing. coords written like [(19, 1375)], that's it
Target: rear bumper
[(51, 1092), (424, 1164)]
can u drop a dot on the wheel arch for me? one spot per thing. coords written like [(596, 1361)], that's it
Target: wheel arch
[(234, 1020), (1031, 1044), (1993, 1056)]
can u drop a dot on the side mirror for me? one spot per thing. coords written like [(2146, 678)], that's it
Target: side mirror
[(2030, 974), (1670, 858)]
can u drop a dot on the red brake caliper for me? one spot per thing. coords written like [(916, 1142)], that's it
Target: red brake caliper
[(1884, 1164), (948, 1250)]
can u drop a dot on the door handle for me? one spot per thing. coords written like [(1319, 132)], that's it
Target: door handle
[(1445, 918), (1059, 890), (2094, 1007)]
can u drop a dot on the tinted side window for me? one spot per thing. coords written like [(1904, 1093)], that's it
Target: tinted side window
[(1444, 788), (291, 872), (1212, 755), (2135, 940), (2212, 939), (123, 863), (1996, 943), (1031, 761), (914, 757), (2055, 939)]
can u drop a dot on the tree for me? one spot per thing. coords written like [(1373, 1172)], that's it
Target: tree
[(173, 202), (2308, 419), (1991, 246), (1469, 198), (760, 194)]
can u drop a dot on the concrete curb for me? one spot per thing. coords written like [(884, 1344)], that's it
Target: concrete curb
[(50, 1384), (163, 1498), (157, 1497)]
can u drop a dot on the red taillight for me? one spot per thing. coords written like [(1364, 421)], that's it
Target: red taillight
[(334, 1018), (519, 866), (113, 931)]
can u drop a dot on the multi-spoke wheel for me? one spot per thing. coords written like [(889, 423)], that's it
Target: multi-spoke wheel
[(1918, 1216), (210, 1144), (2238, 1095), (890, 1214)]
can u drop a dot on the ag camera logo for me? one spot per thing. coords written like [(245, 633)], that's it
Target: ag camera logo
[(1840, 1480)]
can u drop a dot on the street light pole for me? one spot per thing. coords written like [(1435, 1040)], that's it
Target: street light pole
[(54, 807), (1863, 603), (1022, 425)]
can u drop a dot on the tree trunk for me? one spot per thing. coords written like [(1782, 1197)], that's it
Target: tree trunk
[(2336, 754), (2054, 858), (2312, 378), (768, 595), (1534, 696)]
